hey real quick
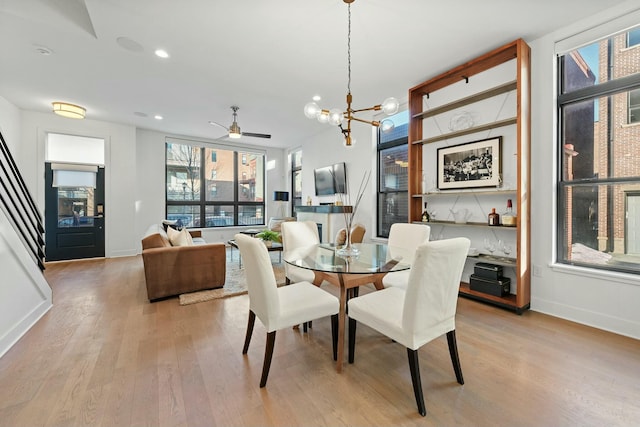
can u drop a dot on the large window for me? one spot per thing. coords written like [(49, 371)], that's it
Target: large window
[(599, 183), (393, 176), (213, 187)]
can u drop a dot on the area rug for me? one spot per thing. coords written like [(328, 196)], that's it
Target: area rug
[(235, 284)]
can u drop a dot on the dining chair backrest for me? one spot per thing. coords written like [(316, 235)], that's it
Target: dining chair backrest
[(261, 281), (298, 234), (408, 236), (357, 234), (432, 293)]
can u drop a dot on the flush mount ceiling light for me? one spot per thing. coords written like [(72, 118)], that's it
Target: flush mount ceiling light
[(69, 110), (336, 116)]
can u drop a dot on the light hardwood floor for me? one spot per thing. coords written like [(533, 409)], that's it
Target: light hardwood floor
[(105, 356)]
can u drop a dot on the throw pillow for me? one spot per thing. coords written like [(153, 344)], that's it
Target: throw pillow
[(179, 238)]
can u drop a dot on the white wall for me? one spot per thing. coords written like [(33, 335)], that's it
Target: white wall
[(606, 301), (326, 148), (24, 294)]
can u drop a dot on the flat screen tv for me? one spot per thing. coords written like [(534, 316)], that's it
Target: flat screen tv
[(330, 180)]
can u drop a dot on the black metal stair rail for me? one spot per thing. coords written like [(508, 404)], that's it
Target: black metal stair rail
[(20, 206)]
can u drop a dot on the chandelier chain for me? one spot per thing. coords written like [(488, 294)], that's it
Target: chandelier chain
[(349, 50)]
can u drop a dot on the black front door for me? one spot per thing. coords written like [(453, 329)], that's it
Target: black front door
[(74, 219)]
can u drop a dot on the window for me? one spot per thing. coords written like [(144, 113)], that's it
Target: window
[(393, 176), (232, 195), (633, 37), (599, 180), (296, 180), (634, 106)]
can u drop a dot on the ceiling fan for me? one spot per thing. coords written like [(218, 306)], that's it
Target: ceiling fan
[(234, 129)]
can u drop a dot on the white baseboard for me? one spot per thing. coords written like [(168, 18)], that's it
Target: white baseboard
[(19, 329), (594, 319)]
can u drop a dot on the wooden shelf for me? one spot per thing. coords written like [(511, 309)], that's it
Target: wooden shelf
[(494, 259), (465, 193), (509, 302), (490, 93), (492, 125), (420, 129), (466, 224)]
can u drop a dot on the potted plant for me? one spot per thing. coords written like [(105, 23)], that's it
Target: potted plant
[(268, 236)]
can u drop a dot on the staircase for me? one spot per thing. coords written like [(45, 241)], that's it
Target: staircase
[(25, 295)]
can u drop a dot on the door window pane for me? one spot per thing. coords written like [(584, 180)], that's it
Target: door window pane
[(75, 207)]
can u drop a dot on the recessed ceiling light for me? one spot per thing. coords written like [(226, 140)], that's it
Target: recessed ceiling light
[(316, 98), (158, 117), (161, 53)]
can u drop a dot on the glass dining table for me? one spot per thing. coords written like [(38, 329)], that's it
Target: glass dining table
[(372, 262)]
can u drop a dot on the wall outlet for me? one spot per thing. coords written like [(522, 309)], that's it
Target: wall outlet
[(537, 271)]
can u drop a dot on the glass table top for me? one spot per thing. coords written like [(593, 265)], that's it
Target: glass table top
[(372, 258)]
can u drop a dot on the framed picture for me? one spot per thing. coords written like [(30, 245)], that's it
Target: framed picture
[(470, 165)]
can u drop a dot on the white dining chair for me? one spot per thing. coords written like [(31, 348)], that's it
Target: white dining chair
[(408, 237), (423, 311), (296, 235), (280, 307)]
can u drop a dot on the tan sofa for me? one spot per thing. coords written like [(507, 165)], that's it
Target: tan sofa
[(174, 270)]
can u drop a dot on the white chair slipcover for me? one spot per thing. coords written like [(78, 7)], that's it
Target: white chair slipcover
[(423, 311), (295, 235), (279, 307), (409, 237)]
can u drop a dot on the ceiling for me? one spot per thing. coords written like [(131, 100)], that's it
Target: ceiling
[(267, 57)]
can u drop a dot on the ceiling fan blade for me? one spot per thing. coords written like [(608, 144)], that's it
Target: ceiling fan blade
[(211, 122), (256, 135)]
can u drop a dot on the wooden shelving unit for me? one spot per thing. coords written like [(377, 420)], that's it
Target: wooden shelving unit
[(519, 51)]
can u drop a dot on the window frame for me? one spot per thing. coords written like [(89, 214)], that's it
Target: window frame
[(380, 147), (239, 153), (295, 169), (564, 183)]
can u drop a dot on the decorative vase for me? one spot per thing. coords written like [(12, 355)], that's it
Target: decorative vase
[(268, 243), (348, 249)]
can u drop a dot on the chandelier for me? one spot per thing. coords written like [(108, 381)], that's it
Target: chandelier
[(336, 117)]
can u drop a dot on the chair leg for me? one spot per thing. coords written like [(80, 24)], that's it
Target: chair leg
[(453, 351), (414, 366), (334, 335), (268, 353), (352, 339), (247, 338)]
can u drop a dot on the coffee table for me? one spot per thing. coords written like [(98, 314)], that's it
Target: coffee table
[(274, 247)]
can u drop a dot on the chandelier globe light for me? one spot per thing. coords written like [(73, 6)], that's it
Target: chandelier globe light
[(336, 117)]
